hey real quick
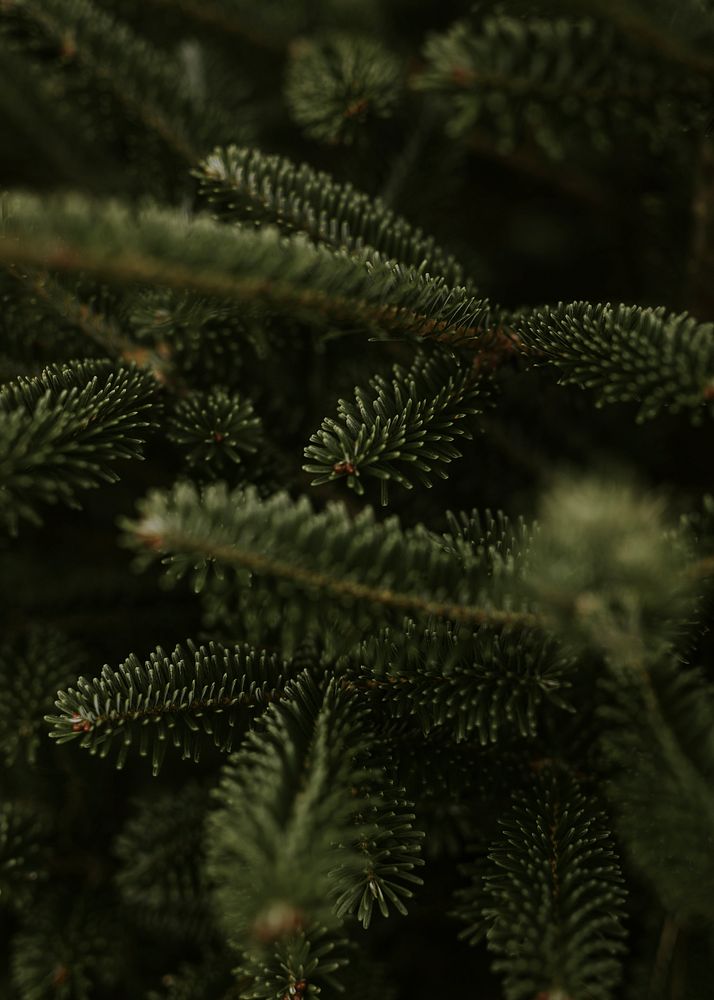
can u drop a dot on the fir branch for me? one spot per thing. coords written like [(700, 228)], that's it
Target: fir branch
[(483, 684), (216, 429), (160, 851), (627, 354), (367, 569), (551, 897), (160, 247), (243, 184), (140, 78), (64, 430), (285, 809), (338, 85), (547, 78), (407, 427), (190, 698), (32, 668), (658, 742)]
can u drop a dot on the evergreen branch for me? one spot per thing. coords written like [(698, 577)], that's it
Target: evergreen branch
[(140, 78), (284, 275), (551, 897), (160, 850), (285, 808), (188, 698), (63, 430), (659, 743), (608, 571), (216, 428), (76, 939), (367, 569), (545, 78), (628, 354), (32, 668), (464, 683), (408, 426), (244, 184), (338, 85)]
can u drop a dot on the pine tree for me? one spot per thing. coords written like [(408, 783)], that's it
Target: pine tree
[(356, 385)]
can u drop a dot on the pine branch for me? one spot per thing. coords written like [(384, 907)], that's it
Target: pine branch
[(364, 569), (486, 685), (216, 429), (189, 698), (260, 268), (627, 354), (160, 850), (285, 807), (148, 85), (32, 668), (551, 897), (659, 745), (607, 570), (338, 86), (407, 427), (546, 78), (244, 184), (63, 431), (307, 832)]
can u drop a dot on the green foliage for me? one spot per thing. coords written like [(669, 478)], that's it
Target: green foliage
[(66, 950), (160, 851), (273, 842), (95, 49), (607, 569), (256, 268), (243, 184), (288, 555), (216, 429), (483, 684), (550, 900), (659, 717), (339, 85), (188, 698), (408, 426), (32, 668), (63, 431), (628, 354), (558, 81)]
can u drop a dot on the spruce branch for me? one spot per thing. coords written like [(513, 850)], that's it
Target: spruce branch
[(550, 897), (307, 832), (487, 684), (160, 851), (63, 431), (217, 429), (658, 714), (243, 184), (405, 431), (190, 698), (338, 85), (263, 269), (32, 668), (627, 354), (367, 569), (147, 84), (545, 78)]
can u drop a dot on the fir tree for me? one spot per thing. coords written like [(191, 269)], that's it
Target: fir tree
[(356, 386)]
